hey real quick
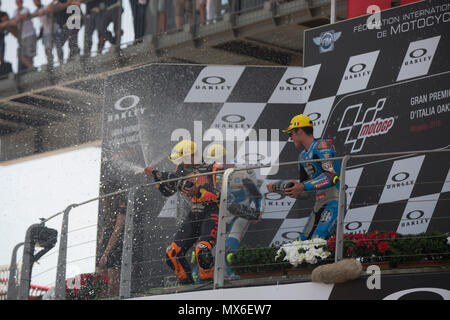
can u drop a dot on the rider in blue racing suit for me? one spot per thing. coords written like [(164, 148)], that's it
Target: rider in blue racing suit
[(245, 203), (320, 176)]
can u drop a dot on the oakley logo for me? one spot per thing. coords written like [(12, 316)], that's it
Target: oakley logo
[(297, 81), (401, 176), (370, 125), (357, 68), (290, 235), (253, 157), (233, 118), (414, 215), (354, 225), (213, 80), (273, 196), (314, 116), (126, 108), (122, 105), (418, 53)]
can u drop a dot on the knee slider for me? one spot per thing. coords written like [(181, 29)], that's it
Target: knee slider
[(172, 252), (203, 251)]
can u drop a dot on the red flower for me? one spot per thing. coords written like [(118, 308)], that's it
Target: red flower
[(393, 234), (382, 236), (349, 236), (372, 235), (383, 246), (361, 242), (349, 250), (358, 236), (370, 246), (331, 244)]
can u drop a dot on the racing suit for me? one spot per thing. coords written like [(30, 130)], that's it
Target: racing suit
[(245, 203), (322, 177), (200, 225)]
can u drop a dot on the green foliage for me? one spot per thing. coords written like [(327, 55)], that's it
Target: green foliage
[(431, 246), (394, 248), (256, 260)]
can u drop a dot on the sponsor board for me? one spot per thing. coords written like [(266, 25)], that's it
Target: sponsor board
[(359, 92)]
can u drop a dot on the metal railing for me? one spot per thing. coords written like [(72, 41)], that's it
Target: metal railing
[(128, 265)]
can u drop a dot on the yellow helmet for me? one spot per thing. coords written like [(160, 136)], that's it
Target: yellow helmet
[(299, 121), (182, 151), (215, 153)]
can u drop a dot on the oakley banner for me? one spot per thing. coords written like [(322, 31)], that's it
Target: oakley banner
[(388, 77)]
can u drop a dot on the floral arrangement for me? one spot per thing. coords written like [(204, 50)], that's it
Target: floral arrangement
[(367, 246), (86, 286), (308, 251)]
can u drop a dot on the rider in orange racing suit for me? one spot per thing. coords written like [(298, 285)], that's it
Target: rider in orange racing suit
[(200, 225)]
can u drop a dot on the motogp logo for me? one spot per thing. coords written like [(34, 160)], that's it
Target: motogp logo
[(326, 40), (369, 125)]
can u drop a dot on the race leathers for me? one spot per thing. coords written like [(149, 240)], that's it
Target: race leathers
[(323, 178), (199, 228), (245, 204)]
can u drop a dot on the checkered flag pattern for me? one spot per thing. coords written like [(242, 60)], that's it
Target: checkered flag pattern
[(390, 194)]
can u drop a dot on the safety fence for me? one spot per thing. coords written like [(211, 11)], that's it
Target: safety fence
[(4, 274), (35, 292), (389, 207), (55, 35)]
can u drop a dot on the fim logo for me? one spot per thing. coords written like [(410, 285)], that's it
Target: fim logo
[(370, 125), (326, 40)]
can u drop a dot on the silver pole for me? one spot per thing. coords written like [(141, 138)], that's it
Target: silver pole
[(341, 212), (27, 265), (118, 33), (219, 265), (333, 12), (127, 249), (60, 285), (13, 274)]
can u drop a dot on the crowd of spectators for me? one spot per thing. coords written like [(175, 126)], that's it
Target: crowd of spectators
[(97, 15)]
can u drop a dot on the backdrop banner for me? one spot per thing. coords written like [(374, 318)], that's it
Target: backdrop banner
[(368, 90)]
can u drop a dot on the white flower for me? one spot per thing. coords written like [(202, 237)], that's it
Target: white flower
[(448, 241), (325, 254), (310, 257), (319, 241), (312, 250)]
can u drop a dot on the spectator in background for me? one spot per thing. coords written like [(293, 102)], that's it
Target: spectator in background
[(44, 14), (111, 239), (182, 7), (27, 36), (138, 10), (211, 9), (93, 20), (61, 17), (5, 67), (162, 6), (110, 13), (236, 7), (201, 8), (3, 32)]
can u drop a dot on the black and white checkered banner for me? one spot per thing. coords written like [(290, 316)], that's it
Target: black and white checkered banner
[(368, 93)]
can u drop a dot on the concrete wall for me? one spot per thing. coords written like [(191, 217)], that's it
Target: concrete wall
[(74, 131)]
